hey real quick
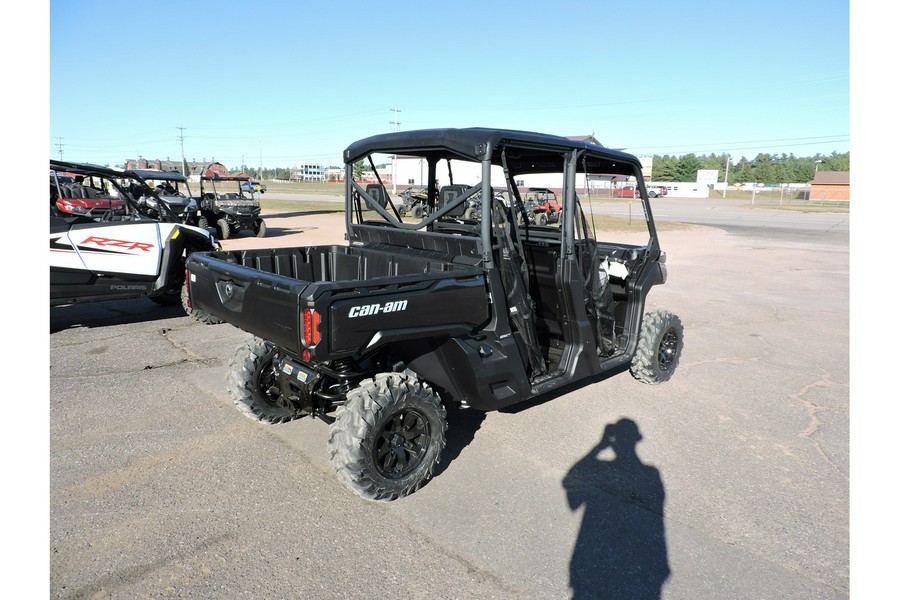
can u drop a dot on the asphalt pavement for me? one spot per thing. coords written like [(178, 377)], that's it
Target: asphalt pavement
[(734, 482)]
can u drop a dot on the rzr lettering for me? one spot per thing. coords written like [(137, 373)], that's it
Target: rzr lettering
[(108, 243), (368, 310)]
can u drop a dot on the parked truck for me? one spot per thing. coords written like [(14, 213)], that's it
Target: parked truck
[(379, 336)]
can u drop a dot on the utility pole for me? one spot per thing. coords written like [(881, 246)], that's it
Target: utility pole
[(395, 125), (59, 146), (183, 160)]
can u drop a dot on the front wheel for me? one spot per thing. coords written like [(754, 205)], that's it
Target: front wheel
[(659, 347), (200, 315), (253, 384), (224, 229), (259, 228), (388, 436)]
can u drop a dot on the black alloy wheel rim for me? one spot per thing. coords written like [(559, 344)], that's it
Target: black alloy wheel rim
[(401, 443), (269, 385), (668, 346)]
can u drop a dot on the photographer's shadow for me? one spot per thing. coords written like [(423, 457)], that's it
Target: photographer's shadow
[(621, 548)]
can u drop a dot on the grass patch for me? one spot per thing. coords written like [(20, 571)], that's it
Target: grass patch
[(298, 187)]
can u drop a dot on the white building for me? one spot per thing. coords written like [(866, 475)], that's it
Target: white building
[(308, 172)]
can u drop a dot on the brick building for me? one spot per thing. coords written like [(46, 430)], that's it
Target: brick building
[(830, 185), (194, 169)]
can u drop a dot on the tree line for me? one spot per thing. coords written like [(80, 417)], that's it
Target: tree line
[(765, 168)]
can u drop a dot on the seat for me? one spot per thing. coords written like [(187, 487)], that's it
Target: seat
[(377, 191), (448, 194)]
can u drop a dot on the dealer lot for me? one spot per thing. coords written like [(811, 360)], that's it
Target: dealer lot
[(159, 487)]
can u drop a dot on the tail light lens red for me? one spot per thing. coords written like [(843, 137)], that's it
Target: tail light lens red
[(311, 333)]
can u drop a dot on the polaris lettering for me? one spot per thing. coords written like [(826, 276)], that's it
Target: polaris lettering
[(109, 243), (368, 310)]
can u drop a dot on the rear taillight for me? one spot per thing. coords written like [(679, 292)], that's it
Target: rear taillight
[(311, 333)]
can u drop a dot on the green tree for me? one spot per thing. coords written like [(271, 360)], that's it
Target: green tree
[(664, 168), (764, 168), (687, 167)]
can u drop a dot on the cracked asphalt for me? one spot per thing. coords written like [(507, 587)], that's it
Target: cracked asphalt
[(736, 484)]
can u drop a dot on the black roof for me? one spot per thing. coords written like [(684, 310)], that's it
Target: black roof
[(88, 169), (156, 175), (85, 169), (535, 152)]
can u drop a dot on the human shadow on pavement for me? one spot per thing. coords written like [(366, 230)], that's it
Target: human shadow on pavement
[(621, 547)]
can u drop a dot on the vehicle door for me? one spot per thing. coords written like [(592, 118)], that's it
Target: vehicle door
[(612, 243)]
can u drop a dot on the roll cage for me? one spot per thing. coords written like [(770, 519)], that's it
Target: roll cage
[(517, 153)]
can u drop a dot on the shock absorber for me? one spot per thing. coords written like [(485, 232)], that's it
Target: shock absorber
[(341, 375)]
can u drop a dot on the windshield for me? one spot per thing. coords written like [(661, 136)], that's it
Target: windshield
[(219, 188)]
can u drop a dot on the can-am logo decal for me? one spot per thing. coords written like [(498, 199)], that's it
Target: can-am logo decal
[(368, 310), (107, 243)]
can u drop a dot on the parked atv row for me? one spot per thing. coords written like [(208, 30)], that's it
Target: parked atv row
[(224, 202), (115, 236)]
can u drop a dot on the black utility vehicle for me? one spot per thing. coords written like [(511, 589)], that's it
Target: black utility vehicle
[(378, 336), (169, 186), (227, 207)]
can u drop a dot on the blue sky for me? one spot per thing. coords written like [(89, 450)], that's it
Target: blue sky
[(281, 82)]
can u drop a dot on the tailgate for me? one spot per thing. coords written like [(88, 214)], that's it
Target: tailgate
[(264, 304)]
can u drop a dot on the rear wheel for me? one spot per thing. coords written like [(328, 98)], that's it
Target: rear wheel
[(224, 229), (253, 384), (659, 347), (388, 436)]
